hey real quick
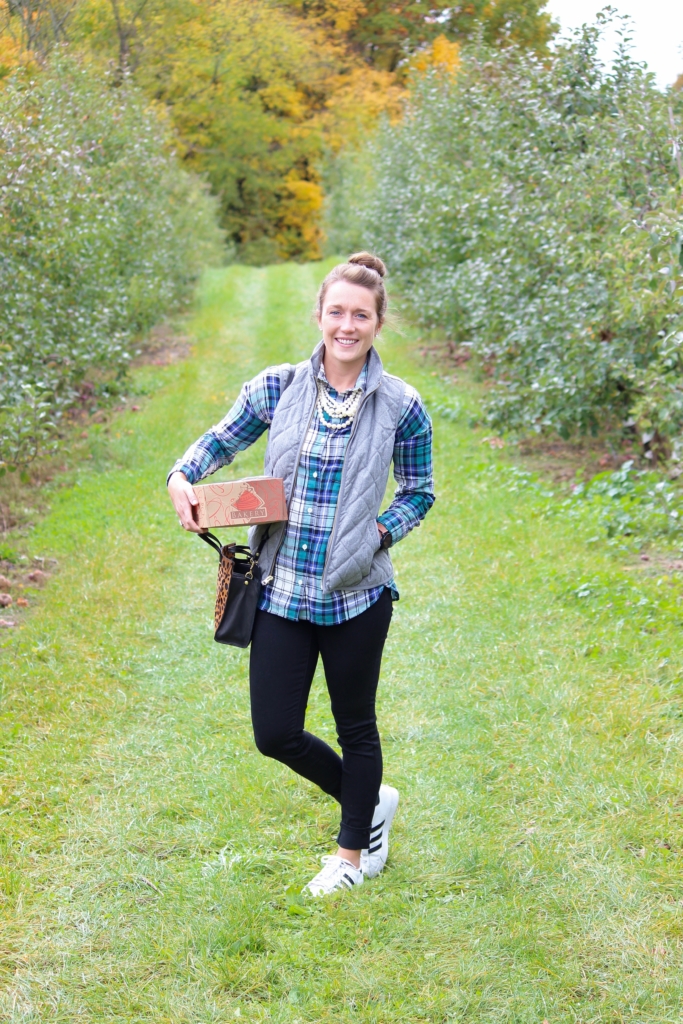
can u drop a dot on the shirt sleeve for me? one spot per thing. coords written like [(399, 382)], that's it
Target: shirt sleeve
[(414, 495), (249, 417)]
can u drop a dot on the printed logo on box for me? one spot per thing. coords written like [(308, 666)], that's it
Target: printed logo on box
[(249, 502)]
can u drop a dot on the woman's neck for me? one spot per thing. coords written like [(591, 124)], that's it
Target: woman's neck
[(342, 376)]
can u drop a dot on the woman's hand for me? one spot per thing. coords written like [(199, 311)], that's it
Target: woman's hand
[(184, 501)]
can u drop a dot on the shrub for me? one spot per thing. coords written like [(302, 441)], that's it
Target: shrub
[(101, 234), (534, 210), (632, 502)]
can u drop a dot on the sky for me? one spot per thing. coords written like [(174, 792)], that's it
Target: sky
[(657, 30)]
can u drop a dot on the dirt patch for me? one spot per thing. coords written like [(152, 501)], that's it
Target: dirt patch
[(8, 519), (19, 586), (447, 352), (655, 564), (163, 347), (564, 461)]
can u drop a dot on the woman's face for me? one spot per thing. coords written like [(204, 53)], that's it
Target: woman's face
[(349, 321)]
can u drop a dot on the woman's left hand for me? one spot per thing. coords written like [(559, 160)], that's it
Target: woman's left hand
[(184, 501)]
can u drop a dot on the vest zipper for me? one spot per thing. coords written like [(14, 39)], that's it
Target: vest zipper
[(271, 567), (341, 485)]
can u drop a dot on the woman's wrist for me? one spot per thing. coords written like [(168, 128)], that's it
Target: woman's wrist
[(385, 538)]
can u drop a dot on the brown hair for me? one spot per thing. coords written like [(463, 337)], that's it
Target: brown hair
[(361, 268)]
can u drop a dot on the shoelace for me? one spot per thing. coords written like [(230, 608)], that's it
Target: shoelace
[(335, 870)]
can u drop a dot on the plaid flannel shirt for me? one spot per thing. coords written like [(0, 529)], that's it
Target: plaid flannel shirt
[(296, 592)]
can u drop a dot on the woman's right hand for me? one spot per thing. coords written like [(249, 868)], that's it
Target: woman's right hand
[(184, 501)]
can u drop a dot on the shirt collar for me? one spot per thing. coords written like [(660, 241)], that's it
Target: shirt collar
[(360, 383)]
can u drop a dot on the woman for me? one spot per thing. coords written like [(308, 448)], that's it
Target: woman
[(336, 422)]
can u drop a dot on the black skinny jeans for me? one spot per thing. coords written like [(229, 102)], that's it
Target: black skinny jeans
[(284, 654)]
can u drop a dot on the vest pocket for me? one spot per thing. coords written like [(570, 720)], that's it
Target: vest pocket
[(370, 547)]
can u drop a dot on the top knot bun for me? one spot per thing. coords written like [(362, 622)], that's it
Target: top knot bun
[(362, 269), (366, 259)]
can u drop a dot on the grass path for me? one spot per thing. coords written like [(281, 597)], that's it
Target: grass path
[(532, 717)]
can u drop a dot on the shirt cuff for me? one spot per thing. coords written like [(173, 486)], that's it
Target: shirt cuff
[(180, 467), (394, 524)]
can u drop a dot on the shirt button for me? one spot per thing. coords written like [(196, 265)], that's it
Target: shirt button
[(315, 476), (309, 511), (304, 547)]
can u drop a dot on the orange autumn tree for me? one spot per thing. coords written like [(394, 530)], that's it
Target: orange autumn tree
[(384, 34), (11, 49), (443, 55), (10, 55), (241, 82), (258, 92)]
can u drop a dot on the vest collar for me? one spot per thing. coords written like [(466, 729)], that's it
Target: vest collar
[(375, 368)]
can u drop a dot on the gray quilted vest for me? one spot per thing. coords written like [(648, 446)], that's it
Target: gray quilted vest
[(354, 560)]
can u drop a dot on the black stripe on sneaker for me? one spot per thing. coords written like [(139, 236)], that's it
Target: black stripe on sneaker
[(380, 824), (349, 880), (374, 849)]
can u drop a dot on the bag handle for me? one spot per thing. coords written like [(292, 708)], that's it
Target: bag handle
[(214, 543)]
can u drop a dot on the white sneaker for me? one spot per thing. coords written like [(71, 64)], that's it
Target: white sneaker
[(337, 873), (373, 859)]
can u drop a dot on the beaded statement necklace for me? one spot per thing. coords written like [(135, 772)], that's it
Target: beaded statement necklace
[(337, 415)]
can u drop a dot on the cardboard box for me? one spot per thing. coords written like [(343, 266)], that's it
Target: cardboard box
[(260, 499)]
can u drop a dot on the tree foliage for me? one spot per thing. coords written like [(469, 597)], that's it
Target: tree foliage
[(534, 209), (240, 81), (259, 91), (386, 34), (101, 232)]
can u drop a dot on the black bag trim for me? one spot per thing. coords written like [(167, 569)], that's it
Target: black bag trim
[(244, 590)]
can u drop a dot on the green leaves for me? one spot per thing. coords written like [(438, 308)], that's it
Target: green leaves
[(100, 234), (533, 211), (632, 503), (248, 943), (295, 902)]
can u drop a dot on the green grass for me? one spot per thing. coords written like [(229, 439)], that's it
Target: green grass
[(531, 709)]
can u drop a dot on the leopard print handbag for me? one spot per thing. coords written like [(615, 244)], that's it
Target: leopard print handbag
[(238, 589), (226, 562)]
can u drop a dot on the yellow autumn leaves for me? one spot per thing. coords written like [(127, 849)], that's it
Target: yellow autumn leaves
[(258, 93)]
